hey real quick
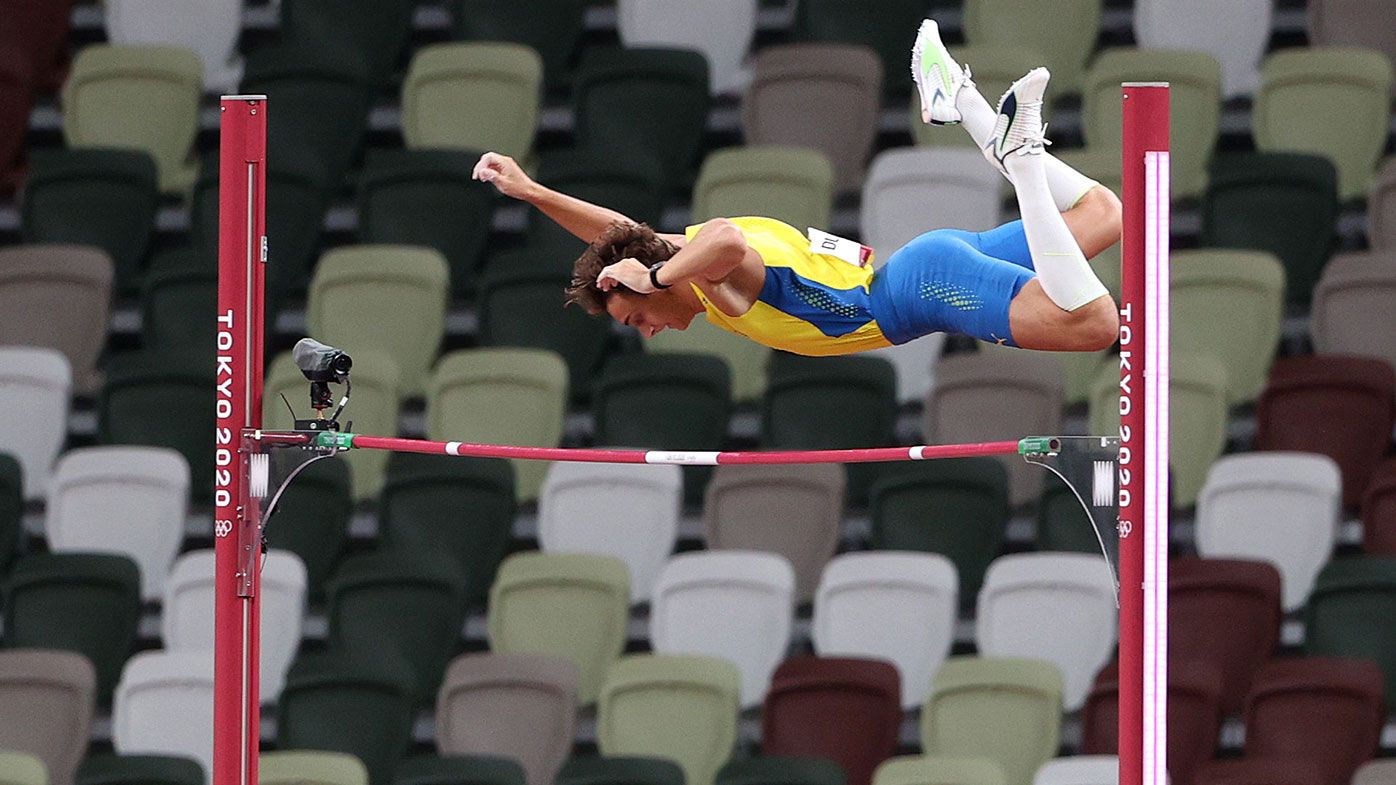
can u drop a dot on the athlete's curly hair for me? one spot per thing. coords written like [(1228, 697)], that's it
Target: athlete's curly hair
[(619, 240)]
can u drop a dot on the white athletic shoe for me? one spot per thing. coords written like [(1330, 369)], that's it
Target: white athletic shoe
[(1019, 129), (938, 77)]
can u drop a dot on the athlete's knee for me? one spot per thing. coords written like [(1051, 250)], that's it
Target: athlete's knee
[(1097, 323), (1107, 214)]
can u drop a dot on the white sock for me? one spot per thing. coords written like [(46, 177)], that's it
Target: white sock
[(978, 117), (1061, 267)]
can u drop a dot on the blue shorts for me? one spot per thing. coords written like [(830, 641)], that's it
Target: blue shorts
[(952, 282)]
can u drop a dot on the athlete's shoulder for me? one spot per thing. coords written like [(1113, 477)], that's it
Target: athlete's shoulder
[(759, 225)]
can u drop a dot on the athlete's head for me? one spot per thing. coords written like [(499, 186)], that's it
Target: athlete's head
[(647, 313)]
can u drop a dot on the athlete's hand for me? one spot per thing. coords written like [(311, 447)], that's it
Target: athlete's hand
[(629, 272), (504, 173)]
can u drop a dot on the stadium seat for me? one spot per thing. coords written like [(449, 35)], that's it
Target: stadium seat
[(1282, 203), (791, 83), (572, 605), (1378, 511), (1063, 524), (954, 506), (722, 32), (139, 97), (94, 197), (1197, 427), (1058, 607), (734, 605), (1288, 770), (807, 401), (1194, 95), (311, 520), (781, 770), (620, 770), (427, 197), (1381, 208), (186, 612), (388, 298), (370, 34), (1080, 770), (913, 190), (1194, 716), (1349, 614), (1278, 507), (1354, 297), (842, 708), (683, 708), (989, 396), (1225, 612), (208, 29), (459, 509), (644, 99), (404, 606), (790, 184), (38, 281), (1375, 772), (518, 706), (746, 359), (794, 511), (473, 96), (87, 603), (665, 401), (501, 396), (34, 36), (1342, 407), (1240, 292), (126, 500), (46, 707), (995, 68), (579, 338), (1006, 711), (162, 400), (310, 767), (459, 770), (1235, 33), (898, 607), (178, 308), (629, 512), (1063, 40), (1348, 23), (317, 128), (554, 35), (11, 510), (938, 770), (914, 363), (34, 388), (338, 705), (373, 410), (1288, 693), (103, 769), (889, 32), (164, 706), (1303, 88), (632, 185)]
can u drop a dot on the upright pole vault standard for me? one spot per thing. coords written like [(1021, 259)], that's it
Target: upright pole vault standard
[(1143, 461), (237, 539)]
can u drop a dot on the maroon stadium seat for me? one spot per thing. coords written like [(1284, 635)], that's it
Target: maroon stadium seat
[(1226, 612), (1379, 511), (1194, 716), (33, 45), (1340, 406), (845, 709), (1327, 709), (1260, 771)]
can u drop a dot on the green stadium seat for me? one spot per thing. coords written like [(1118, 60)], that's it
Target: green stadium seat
[(142, 770), (790, 184), (501, 396), (459, 770), (1063, 39), (525, 309), (370, 34), (1005, 710), (807, 403), (427, 197), (781, 770), (746, 359), (162, 400), (955, 506), (1352, 613), (460, 509), (683, 708), (178, 308), (11, 511), (87, 603), (938, 770), (554, 35), (620, 770), (21, 768), (571, 605), (101, 198), (1062, 523), (310, 767), (311, 520), (473, 96), (137, 97), (1303, 89)]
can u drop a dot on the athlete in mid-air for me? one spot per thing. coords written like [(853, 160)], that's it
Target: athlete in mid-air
[(1026, 283)]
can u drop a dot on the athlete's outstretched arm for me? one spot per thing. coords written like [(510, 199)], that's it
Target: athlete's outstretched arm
[(584, 219)]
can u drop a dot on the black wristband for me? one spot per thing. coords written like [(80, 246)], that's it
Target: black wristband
[(654, 279)]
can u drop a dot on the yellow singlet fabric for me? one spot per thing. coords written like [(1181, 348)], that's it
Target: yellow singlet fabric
[(810, 304)]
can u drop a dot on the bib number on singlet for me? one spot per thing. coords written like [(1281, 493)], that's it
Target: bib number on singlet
[(826, 244)]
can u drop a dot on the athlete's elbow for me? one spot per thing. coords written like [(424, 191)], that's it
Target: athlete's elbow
[(726, 237)]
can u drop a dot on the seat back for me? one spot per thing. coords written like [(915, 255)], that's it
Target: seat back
[(310, 767), (39, 282), (1381, 209), (577, 337), (1235, 33), (790, 184), (1353, 291), (1080, 770), (162, 400), (747, 359), (1349, 594), (209, 29), (553, 35), (473, 96), (1379, 511), (1229, 305), (371, 34), (1064, 40), (164, 705), (34, 387), (844, 709), (938, 770), (721, 31), (47, 700), (910, 191)]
